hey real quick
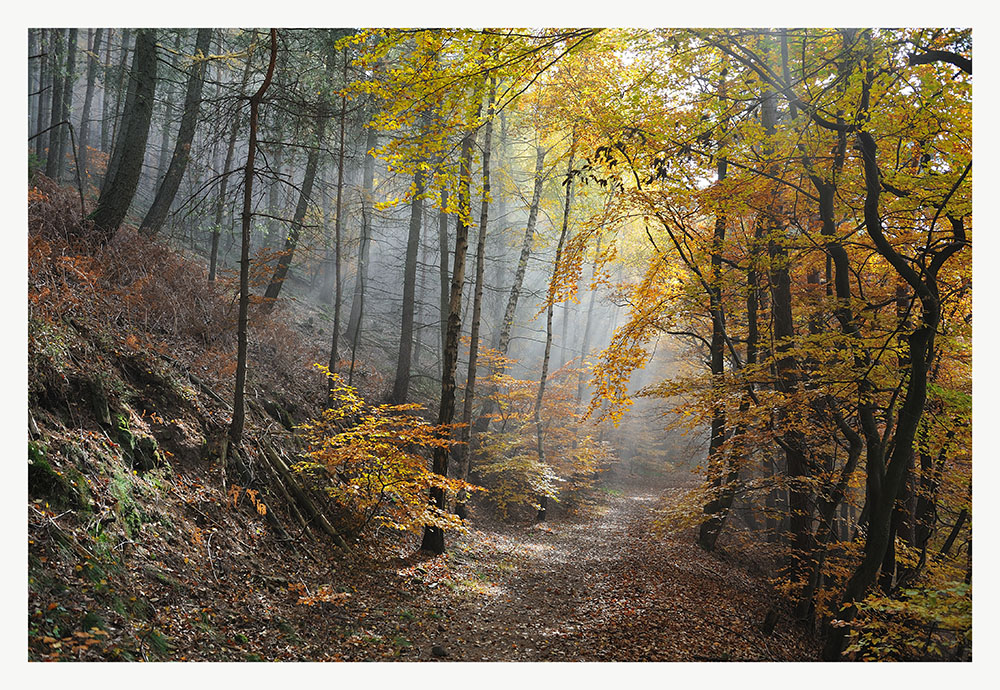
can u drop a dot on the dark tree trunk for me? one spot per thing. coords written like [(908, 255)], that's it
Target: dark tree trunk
[(291, 242), (433, 538), (130, 147), (163, 159), (53, 158), (443, 266), (157, 213), (239, 412), (720, 472), (401, 385), (885, 481), (463, 455), (45, 84), (220, 204)]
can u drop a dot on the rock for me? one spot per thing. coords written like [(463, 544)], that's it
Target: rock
[(439, 651)]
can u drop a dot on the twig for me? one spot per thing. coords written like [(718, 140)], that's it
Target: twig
[(208, 543)]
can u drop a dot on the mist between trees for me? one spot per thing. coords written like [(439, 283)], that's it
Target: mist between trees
[(737, 261)]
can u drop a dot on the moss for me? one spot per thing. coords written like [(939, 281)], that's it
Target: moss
[(64, 490), (126, 509)]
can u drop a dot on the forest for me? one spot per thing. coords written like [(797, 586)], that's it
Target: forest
[(499, 344)]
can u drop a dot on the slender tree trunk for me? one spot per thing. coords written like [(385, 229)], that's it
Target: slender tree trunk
[(338, 224), (34, 59), (401, 385), (45, 71), (53, 160), (443, 267), (291, 242), (121, 92), (163, 159), (463, 455), (119, 187), (157, 213), (65, 144), (720, 470), (585, 343), (539, 436), (220, 203), (433, 538), (239, 413), (88, 99), (367, 184), (106, 114), (507, 325)]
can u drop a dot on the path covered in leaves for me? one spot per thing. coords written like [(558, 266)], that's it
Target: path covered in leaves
[(600, 588), (597, 590)]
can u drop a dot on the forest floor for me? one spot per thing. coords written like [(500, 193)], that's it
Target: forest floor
[(598, 588)]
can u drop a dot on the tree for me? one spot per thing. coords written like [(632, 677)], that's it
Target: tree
[(239, 413), (130, 146), (93, 57), (157, 213)]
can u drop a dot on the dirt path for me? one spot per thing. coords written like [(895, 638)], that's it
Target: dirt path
[(599, 590)]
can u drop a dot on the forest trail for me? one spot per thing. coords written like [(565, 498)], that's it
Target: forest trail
[(601, 589)]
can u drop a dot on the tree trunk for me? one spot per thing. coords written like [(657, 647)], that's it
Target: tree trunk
[(539, 436), (53, 158), (88, 99), (130, 147), (433, 538), (163, 160), (106, 115), (585, 344), (507, 325), (157, 213), (45, 85), (401, 385), (721, 473), (239, 412), (121, 105), (463, 455), (367, 183), (443, 266), (338, 224)]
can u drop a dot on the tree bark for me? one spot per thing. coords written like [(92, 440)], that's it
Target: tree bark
[(130, 147), (463, 455), (45, 85), (401, 384), (53, 158), (220, 205), (157, 213), (433, 538), (239, 411)]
